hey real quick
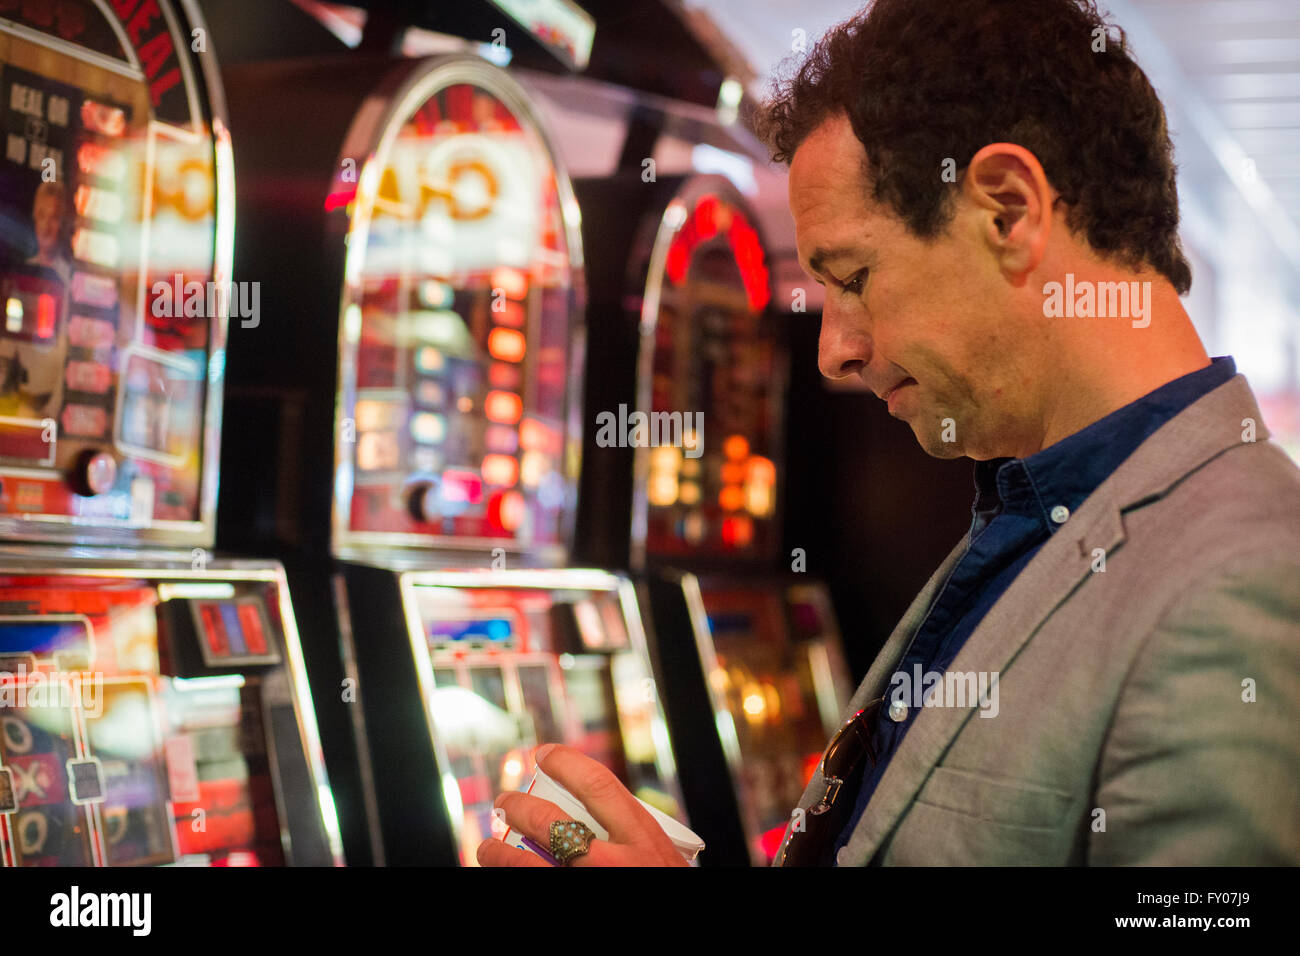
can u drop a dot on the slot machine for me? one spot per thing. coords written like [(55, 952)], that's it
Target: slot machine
[(693, 505), (154, 708), (429, 273)]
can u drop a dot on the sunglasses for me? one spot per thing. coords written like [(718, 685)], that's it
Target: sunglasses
[(846, 759)]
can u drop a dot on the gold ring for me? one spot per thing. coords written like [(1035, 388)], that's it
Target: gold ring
[(570, 840)]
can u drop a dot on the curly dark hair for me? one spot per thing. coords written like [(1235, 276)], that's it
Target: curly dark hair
[(927, 80)]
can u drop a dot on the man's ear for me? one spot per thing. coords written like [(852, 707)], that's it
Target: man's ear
[(1007, 184)]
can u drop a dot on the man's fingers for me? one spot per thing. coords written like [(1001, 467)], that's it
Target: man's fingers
[(531, 816), (601, 793), (495, 853)]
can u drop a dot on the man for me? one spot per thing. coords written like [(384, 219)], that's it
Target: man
[(31, 372), (986, 190)]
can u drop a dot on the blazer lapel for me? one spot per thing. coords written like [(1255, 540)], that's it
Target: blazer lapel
[(884, 665), (1201, 432)]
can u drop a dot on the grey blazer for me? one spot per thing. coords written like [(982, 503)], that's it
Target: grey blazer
[(1147, 713)]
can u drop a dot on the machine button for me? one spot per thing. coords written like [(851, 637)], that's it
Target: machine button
[(95, 473), (421, 501)]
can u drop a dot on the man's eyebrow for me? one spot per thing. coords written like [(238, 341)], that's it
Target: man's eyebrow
[(817, 261)]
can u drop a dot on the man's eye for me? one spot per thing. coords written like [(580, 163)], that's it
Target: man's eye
[(853, 285)]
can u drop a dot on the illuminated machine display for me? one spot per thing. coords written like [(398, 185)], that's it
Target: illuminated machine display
[(683, 279), (153, 702), (454, 378)]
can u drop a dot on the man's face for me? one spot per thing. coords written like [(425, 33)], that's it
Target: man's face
[(937, 318), (47, 219)]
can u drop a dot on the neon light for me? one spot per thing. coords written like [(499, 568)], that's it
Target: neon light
[(505, 408), (689, 493), (45, 316), (501, 375), (736, 447), (507, 345), (661, 489), (737, 531), (533, 467), (461, 487), (96, 160), (507, 510), (512, 282), (502, 470)]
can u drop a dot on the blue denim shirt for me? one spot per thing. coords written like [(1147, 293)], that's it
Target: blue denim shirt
[(1019, 504)]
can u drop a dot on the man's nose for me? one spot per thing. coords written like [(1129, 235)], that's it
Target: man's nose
[(842, 349)]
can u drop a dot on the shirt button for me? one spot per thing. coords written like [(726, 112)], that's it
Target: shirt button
[(1060, 513), (897, 711)]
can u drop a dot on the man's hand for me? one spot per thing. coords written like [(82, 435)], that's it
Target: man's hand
[(635, 839)]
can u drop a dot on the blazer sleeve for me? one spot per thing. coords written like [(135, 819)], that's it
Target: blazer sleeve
[(1201, 763)]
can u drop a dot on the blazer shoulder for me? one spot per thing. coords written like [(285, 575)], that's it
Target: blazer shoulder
[(1246, 498)]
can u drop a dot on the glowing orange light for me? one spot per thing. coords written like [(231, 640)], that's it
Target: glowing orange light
[(507, 345), (103, 119), (537, 436), (761, 471), (731, 498), (378, 450), (513, 282), (733, 472), (661, 489), (502, 470), (100, 161), (501, 375), (666, 458), (736, 447), (504, 408), (533, 468), (689, 493), (512, 315)]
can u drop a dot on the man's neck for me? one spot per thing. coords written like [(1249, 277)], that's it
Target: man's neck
[(1113, 364)]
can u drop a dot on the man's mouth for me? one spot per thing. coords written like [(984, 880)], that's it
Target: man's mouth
[(892, 396), (906, 381)]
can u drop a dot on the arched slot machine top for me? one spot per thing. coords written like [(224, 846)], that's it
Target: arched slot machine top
[(116, 195), (708, 354), (460, 338)]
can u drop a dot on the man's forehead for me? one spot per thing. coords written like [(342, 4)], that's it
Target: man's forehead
[(829, 194)]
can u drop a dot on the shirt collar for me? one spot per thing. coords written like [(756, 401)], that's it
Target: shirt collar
[(1051, 484)]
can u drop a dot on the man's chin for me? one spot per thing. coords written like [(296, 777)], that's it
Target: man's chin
[(932, 443)]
